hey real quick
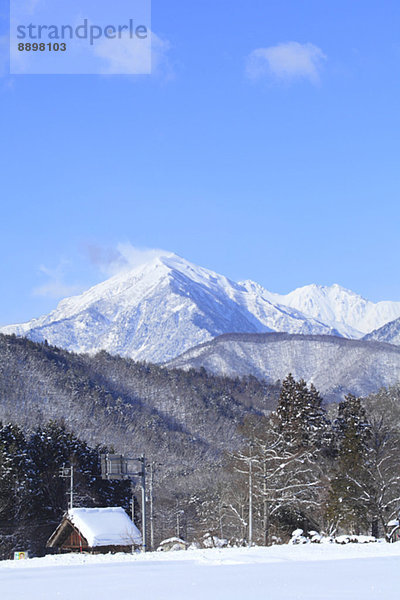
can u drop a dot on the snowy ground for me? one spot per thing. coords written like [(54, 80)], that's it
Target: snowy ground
[(309, 572)]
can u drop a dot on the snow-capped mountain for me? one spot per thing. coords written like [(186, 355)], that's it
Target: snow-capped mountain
[(336, 366), (162, 308), (352, 315)]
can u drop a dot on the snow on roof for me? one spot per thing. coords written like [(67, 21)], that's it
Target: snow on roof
[(393, 523), (173, 540), (105, 526)]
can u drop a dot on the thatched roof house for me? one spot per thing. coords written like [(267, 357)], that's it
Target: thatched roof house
[(95, 530)]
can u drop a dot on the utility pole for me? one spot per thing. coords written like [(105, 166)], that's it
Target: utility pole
[(180, 523), (151, 507), (144, 528), (133, 502), (265, 506), (178, 529), (68, 472), (71, 491), (250, 497), (117, 467)]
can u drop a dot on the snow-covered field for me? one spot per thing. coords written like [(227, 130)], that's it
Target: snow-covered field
[(309, 572)]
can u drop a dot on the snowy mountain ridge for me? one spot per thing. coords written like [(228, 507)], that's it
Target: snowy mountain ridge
[(351, 314), (389, 333), (162, 308), (336, 366)]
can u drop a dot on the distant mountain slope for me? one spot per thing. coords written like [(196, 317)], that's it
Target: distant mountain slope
[(389, 333), (335, 365), (178, 418), (159, 310), (349, 313)]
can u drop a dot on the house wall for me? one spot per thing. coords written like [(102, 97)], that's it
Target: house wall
[(395, 535), (74, 541)]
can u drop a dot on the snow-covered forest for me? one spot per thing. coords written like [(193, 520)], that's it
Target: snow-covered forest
[(32, 493), (232, 459)]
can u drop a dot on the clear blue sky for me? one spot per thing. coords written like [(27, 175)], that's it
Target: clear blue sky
[(285, 170)]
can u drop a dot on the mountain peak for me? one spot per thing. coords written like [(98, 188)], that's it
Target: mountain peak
[(158, 309)]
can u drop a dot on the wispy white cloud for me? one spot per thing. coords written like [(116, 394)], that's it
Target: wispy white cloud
[(106, 260), (55, 286), (161, 64), (125, 256), (288, 61), (134, 56)]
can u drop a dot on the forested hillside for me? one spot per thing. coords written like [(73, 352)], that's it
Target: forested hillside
[(333, 471), (183, 421), (181, 418)]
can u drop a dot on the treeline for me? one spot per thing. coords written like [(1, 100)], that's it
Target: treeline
[(329, 468), (336, 471), (180, 418), (33, 496)]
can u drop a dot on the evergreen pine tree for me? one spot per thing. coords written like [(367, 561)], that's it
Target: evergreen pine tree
[(349, 495), (288, 460), (15, 474), (300, 416), (33, 497)]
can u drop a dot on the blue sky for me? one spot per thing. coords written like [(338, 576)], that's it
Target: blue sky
[(265, 145)]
